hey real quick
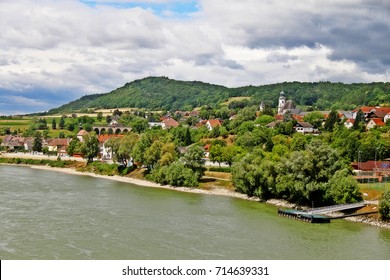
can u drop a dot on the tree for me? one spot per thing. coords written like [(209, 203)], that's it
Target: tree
[(74, 146), (298, 142), (384, 205), (264, 119), (332, 119), (315, 118), (303, 177), (90, 146), (194, 158), (254, 175), (216, 154), (62, 123), (54, 124), (123, 148), (231, 153), (37, 142), (153, 154), (139, 125), (168, 154), (359, 120), (99, 116), (175, 174), (343, 188)]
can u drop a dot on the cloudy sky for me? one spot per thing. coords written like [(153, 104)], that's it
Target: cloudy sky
[(55, 51)]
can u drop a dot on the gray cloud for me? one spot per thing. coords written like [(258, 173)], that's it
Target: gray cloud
[(69, 47)]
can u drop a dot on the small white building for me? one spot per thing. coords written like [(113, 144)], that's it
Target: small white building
[(81, 134), (156, 124), (305, 127), (386, 118)]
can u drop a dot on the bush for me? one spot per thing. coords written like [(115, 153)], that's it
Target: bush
[(384, 206), (176, 174), (220, 169), (126, 170), (102, 168)]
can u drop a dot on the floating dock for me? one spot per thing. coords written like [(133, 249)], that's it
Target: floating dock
[(313, 215), (303, 216)]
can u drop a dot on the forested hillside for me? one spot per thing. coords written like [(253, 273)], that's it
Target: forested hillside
[(160, 93)]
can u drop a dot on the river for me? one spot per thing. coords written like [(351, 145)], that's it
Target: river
[(52, 215)]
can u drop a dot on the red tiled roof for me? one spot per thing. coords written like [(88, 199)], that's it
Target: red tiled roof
[(214, 123), (365, 109), (278, 117), (58, 142), (298, 118), (370, 165), (104, 137), (380, 112), (378, 122), (169, 122), (82, 132)]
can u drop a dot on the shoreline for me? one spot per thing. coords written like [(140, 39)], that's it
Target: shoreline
[(221, 192), (144, 183)]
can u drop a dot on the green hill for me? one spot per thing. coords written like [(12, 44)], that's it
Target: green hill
[(160, 93)]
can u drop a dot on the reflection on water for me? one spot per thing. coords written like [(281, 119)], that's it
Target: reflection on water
[(49, 215)]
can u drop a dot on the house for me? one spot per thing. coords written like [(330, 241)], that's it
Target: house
[(378, 113), (28, 144), (371, 165), (155, 124), (81, 134), (168, 122), (58, 145), (106, 152), (200, 123), (377, 122), (13, 143), (349, 123), (274, 124), (304, 127), (386, 118), (365, 109), (213, 124)]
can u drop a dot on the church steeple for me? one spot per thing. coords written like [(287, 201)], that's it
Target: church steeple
[(282, 102)]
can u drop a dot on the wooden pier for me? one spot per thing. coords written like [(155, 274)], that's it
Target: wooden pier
[(313, 215)]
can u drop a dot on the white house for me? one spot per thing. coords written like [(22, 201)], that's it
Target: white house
[(386, 118), (304, 127), (349, 123)]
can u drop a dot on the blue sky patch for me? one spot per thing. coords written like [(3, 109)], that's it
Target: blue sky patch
[(170, 8)]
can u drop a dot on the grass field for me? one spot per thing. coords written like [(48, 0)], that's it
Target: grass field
[(373, 191), (239, 98), (16, 124)]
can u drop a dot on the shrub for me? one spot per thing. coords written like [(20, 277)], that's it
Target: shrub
[(220, 169), (176, 175), (384, 206), (102, 168)]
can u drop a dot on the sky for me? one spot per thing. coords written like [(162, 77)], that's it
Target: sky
[(55, 51)]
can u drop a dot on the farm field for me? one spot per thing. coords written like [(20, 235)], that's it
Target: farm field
[(15, 124)]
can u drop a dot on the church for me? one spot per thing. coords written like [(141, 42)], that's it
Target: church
[(285, 106)]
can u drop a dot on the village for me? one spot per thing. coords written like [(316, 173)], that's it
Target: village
[(371, 117)]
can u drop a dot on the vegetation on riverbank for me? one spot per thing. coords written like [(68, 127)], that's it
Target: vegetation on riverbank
[(264, 161)]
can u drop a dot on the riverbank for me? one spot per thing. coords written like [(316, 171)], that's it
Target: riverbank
[(146, 183), (370, 220)]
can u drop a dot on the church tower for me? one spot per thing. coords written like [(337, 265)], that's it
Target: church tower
[(282, 102)]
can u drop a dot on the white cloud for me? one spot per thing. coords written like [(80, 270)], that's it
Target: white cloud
[(65, 45)]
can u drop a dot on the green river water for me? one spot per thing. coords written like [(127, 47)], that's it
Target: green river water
[(52, 215)]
